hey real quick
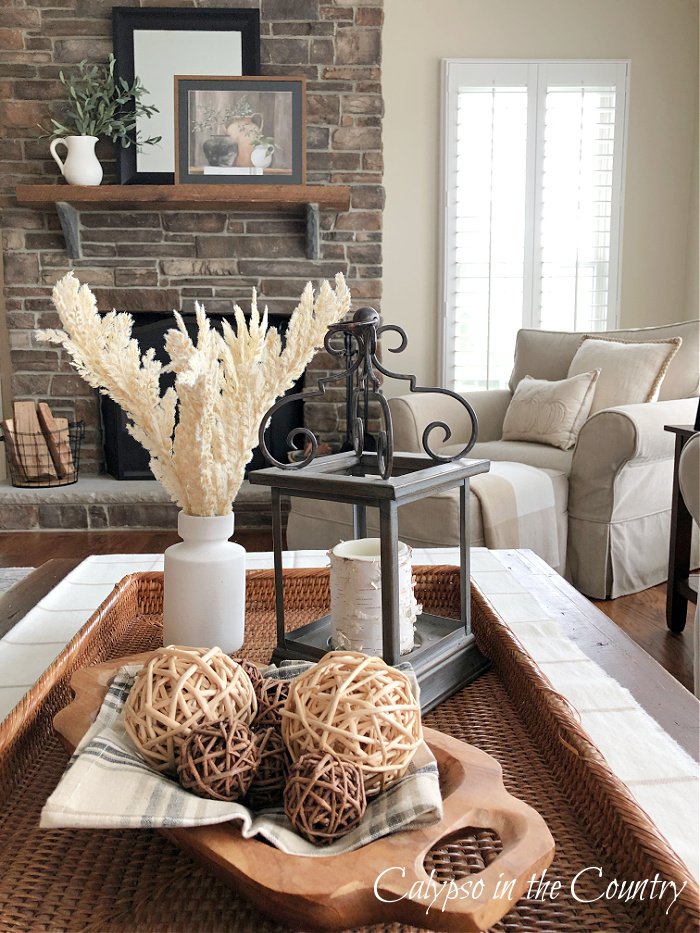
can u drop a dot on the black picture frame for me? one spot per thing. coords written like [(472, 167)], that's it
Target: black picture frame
[(127, 20), (291, 171)]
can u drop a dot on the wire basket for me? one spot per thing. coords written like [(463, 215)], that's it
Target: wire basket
[(47, 459)]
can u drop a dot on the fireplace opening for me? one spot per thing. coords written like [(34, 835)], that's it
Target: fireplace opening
[(125, 458)]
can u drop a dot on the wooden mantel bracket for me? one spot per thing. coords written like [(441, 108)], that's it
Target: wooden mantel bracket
[(68, 200), (313, 232), (70, 224)]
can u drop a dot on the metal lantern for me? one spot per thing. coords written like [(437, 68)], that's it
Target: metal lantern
[(445, 656)]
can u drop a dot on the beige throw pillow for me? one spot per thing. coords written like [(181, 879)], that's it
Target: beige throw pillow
[(547, 412), (629, 372)]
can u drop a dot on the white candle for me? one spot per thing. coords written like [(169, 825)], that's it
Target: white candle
[(356, 596)]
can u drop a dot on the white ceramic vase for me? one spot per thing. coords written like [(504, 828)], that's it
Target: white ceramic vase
[(204, 585), (81, 166)]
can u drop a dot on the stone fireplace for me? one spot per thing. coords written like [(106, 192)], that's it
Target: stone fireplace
[(154, 261)]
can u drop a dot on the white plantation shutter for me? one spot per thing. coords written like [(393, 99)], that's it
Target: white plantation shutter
[(577, 195), (533, 180)]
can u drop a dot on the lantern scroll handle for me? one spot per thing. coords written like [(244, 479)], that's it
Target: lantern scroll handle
[(362, 362), (414, 387), (385, 439), (311, 445)]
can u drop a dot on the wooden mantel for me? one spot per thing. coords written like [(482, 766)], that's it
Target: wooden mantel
[(204, 197), (70, 199)]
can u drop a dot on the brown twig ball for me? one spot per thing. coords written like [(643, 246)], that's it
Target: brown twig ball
[(358, 708), (254, 672), (272, 695), (273, 769), (324, 797), (219, 760), (179, 689)]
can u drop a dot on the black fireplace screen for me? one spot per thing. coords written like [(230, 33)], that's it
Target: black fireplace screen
[(125, 458)]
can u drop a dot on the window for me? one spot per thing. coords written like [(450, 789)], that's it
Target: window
[(533, 194)]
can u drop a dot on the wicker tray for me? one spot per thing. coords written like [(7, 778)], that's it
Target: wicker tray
[(137, 881)]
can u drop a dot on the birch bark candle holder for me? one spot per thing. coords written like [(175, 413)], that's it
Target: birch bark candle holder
[(356, 597)]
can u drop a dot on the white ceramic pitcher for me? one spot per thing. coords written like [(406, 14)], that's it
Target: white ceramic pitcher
[(81, 166)]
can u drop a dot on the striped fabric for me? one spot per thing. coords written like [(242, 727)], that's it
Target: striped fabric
[(108, 785), (518, 509)]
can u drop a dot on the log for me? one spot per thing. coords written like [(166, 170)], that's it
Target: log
[(30, 444), (56, 435), (8, 432)]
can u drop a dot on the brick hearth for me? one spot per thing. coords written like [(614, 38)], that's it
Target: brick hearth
[(139, 261), (100, 502)]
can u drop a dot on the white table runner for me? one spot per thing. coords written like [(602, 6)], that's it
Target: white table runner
[(638, 750)]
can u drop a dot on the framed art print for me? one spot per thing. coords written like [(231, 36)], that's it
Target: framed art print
[(240, 130), (158, 43)]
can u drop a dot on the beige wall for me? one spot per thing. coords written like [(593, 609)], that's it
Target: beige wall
[(660, 243)]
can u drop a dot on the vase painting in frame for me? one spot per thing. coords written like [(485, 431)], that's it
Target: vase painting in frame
[(240, 130)]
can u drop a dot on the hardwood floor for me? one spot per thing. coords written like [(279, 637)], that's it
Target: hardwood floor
[(32, 548), (642, 616)]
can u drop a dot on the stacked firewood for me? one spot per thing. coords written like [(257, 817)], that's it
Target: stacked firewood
[(38, 444)]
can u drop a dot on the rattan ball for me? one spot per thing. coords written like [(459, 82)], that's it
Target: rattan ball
[(324, 797), (254, 672), (219, 760), (179, 689), (272, 695), (273, 768), (358, 708)]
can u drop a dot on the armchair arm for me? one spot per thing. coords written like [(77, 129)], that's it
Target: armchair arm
[(412, 413), (616, 439)]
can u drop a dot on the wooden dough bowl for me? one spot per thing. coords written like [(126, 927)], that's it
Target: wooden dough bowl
[(338, 892)]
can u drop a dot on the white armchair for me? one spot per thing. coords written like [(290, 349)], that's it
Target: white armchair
[(612, 491), (620, 472)]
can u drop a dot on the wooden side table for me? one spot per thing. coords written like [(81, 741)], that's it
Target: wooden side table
[(680, 587)]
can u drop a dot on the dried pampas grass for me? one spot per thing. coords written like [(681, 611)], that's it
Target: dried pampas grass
[(200, 434)]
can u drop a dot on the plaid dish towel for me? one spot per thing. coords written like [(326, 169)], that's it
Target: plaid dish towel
[(107, 785)]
